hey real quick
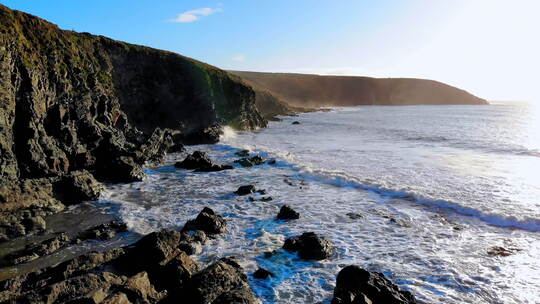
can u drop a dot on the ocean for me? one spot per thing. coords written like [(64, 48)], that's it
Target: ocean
[(419, 193)]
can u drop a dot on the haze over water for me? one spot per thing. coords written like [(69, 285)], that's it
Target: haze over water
[(435, 187)]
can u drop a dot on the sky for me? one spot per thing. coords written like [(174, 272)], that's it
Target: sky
[(490, 48)]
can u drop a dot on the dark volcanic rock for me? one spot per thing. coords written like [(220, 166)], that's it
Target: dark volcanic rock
[(309, 246), (207, 221), (262, 273), (242, 153), (501, 251), (245, 190), (221, 282), (207, 135), (354, 216), (196, 160), (287, 213), (251, 161), (357, 285), (295, 123), (200, 162)]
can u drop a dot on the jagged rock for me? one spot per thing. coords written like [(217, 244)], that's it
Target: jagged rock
[(104, 231), (154, 149), (78, 186), (34, 251), (503, 252), (156, 248), (245, 190), (196, 160), (357, 285), (191, 241), (251, 161), (287, 213), (207, 221), (242, 153), (221, 282), (262, 273), (200, 162), (207, 135), (309, 246), (36, 223)]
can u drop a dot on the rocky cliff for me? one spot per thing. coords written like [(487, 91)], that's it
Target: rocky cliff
[(75, 107), (303, 90)]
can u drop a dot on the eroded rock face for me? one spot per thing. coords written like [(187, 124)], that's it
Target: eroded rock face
[(76, 108), (357, 285), (309, 246)]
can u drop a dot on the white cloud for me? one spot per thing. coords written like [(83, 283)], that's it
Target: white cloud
[(194, 15), (239, 58)]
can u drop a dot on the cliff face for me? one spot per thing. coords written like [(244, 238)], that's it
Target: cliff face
[(74, 106), (303, 90)]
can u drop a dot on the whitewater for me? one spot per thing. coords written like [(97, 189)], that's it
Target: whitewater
[(420, 193)]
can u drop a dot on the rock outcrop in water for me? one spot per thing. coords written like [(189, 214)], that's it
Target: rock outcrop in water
[(77, 108), (359, 286), (309, 246), (313, 91)]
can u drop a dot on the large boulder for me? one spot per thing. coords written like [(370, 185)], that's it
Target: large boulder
[(287, 213), (245, 190), (207, 221), (309, 246), (221, 282), (357, 285)]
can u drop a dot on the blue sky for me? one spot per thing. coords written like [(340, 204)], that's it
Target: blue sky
[(488, 47)]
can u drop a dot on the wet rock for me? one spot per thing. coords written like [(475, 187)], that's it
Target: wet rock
[(503, 252), (267, 199), (176, 148), (309, 246), (357, 285), (36, 223), (34, 251), (221, 282), (208, 135), (244, 162), (251, 161), (207, 221), (104, 231), (200, 162), (176, 273), (245, 190), (354, 216), (295, 123), (153, 250), (191, 241), (196, 160), (124, 169), (271, 162), (78, 186), (262, 273), (214, 168), (242, 153), (287, 213)]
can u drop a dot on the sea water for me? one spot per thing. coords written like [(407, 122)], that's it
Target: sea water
[(419, 193)]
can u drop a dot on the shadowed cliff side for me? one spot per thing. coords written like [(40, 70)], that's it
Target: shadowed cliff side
[(76, 107), (304, 90)]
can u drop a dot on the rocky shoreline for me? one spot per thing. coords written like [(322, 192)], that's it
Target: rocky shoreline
[(162, 266)]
